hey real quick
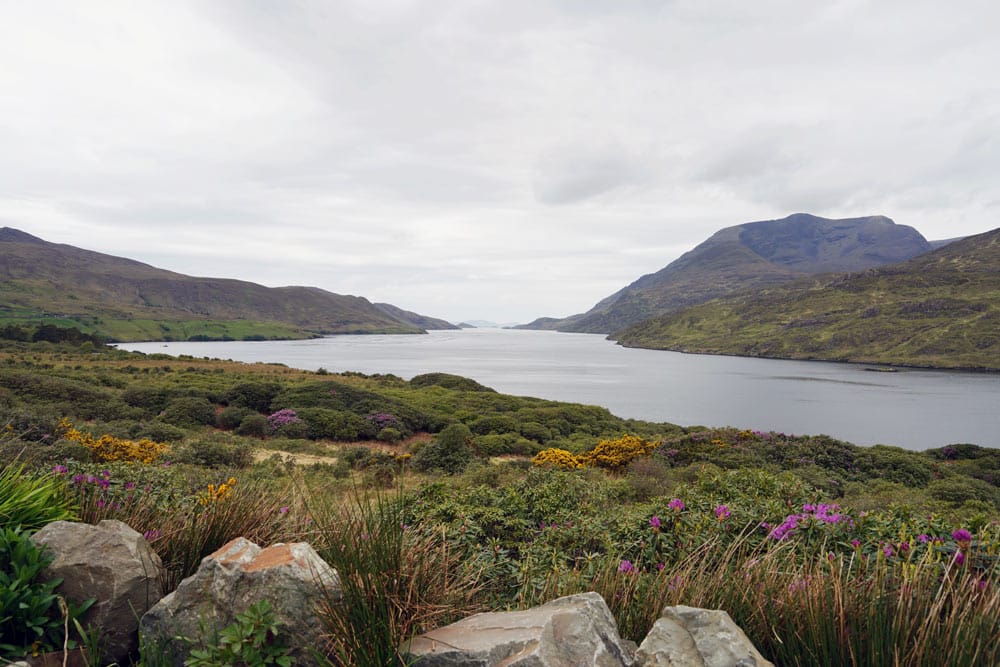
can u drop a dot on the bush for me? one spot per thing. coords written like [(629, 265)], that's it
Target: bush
[(189, 411), (389, 434), (231, 416), (159, 431), (335, 424), (256, 396), (505, 443), (494, 424), (959, 490), (450, 451), (252, 640), (152, 399), (535, 431), (448, 381), (215, 453), (254, 425)]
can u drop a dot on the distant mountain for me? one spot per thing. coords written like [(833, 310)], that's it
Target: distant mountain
[(128, 300), (941, 309), (416, 319), (754, 254)]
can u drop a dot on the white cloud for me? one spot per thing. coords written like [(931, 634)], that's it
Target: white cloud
[(490, 159)]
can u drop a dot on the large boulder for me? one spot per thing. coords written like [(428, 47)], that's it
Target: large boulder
[(292, 577), (691, 637), (112, 563), (572, 631)]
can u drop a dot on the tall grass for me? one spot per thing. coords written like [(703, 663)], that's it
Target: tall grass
[(31, 501), (830, 611), (396, 581)]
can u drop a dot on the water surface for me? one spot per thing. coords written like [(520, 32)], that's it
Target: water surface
[(910, 408)]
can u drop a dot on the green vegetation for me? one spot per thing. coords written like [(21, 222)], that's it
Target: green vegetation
[(939, 310), (754, 255), (48, 284), (826, 553)]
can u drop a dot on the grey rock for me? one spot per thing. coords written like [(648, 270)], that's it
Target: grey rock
[(719, 641), (112, 563), (571, 631), (668, 645), (292, 577)]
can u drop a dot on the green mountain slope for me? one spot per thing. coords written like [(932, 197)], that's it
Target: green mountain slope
[(129, 300), (416, 319), (941, 310), (754, 254)]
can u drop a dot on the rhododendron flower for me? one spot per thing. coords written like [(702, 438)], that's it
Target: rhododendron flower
[(626, 566), (676, 505), (962, 535), (655, 522), (722, 512), (959, 558)]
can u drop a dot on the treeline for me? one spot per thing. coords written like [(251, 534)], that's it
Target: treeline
[(49, 333)]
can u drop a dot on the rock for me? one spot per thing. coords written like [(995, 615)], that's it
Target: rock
[(690, 637), (668, 645), (292, 577), (112, 563), (571, 631)]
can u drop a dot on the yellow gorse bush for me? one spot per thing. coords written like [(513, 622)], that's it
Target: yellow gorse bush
[(214, 494), (559, 458), (109, 448), (611, 454)]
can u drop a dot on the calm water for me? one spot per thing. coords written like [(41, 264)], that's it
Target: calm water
[(912, 409)]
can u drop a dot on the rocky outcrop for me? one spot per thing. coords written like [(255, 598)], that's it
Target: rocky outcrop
[(690, 637), (292, 577), (579, 631), (112, 563), (574, 630)]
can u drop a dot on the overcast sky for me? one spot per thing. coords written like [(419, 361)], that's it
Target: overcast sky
[(497, 160)]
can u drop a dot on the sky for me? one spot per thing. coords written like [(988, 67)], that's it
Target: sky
[(477, 159)]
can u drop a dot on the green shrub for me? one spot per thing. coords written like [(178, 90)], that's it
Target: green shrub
[(505, 443), (494, 424), (215, 453), (189, 411), (256, 396), (252, 641), (958, 490), (448, 381), (254, 425), (535, 431), (231, 416), (151, 399), (389, 434), (30, 617), (159, 431), (450, 452), (335, 424)]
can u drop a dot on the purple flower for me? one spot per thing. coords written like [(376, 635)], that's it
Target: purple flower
[(283, 510), (962, 535), (282, 417), (923, 539), (959, 558), (722, 512), (60, 469), (676, 505), (626, 566), (129, 485), (151, 535), (887, 550), (856, 543), (655, 522)]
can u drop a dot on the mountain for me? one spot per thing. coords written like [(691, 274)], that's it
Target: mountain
[(754, 254), (941, 310), (128, 300), (416, 319)]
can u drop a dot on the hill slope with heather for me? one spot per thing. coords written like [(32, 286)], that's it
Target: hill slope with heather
[(128, 300), (754, 254), (940, 310)]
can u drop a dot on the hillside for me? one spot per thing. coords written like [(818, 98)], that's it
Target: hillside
[(940, 310), (128, 300), (415, 319), (754, 254)]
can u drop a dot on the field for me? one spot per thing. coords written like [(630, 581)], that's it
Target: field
[(824, 552)]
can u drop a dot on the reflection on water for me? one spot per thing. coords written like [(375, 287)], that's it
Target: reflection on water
[(913, 409)]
